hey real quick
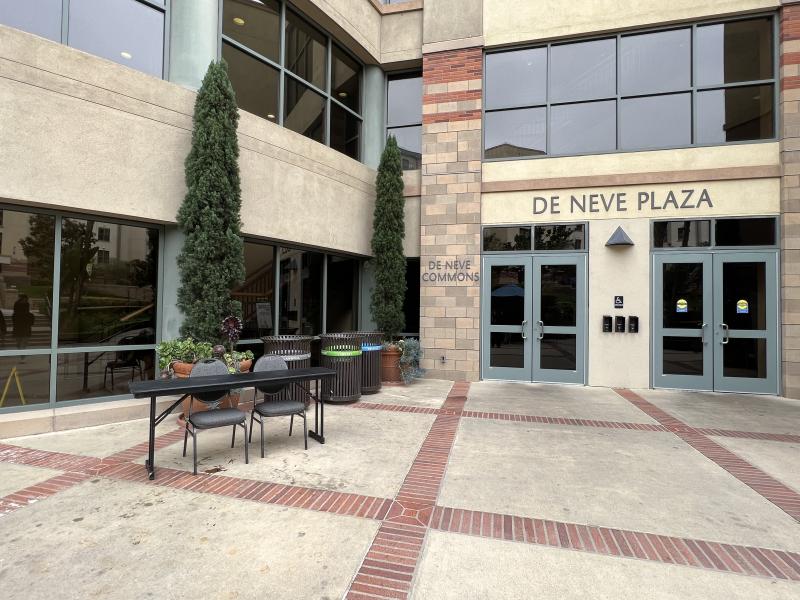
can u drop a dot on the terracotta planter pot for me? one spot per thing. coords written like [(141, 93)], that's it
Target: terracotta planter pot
[(182, 370), (390, 365)]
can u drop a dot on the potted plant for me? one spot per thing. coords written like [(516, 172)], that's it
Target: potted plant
[(410, 359), (388, 231)]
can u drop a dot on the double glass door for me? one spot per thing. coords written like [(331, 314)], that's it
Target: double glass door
[(716, 321), (533, 315)]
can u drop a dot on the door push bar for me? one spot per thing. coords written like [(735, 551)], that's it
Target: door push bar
[(524, 324), (725, 330)]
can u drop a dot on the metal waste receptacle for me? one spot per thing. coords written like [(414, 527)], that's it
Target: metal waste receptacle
[(371, 346), (342, 353), (296, 351)]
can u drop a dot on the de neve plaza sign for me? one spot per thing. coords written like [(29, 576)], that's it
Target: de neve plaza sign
[(623, 201)]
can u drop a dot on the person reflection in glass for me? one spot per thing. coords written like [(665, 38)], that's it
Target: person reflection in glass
[(23, 321)]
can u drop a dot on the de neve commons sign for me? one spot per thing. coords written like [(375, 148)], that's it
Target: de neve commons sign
[(620, 202)]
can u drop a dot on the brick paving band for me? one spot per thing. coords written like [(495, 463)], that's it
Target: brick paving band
[(782, 496)]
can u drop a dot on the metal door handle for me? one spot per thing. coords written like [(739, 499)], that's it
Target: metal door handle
[(725, 330), (541, 330), (524, 324), (703, 333)]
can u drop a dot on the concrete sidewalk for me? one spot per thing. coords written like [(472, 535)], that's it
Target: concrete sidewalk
[(430, 491)]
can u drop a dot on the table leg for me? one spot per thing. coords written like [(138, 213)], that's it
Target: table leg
[(150, 462), (319, 418)]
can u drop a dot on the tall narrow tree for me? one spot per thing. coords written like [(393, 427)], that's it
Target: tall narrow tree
[(388, 232), (211, 263)]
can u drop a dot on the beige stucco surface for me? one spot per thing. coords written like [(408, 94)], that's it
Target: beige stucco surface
[(656, 161), (734, 197), (82, 133), (448, 20), (506, 22), (401, 37)]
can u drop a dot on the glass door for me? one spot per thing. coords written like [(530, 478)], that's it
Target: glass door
[(745, 323), (559, 318), (682, 311), (505, 314)]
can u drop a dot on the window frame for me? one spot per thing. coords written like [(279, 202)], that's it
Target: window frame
[(534, 250), (713, 234), (54, 350), (694, 89), (284, 71)]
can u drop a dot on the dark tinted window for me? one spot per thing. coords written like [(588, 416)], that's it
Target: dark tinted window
[(411, 303), (125, 31), (506, 238), (301, 292), (745, 232), (681, 234), (113, 302), (346, 79), (305, 110), (342, 299), (656, 122), (404, 101), (559, 237), (305, 50), (96, 374), (734, 51), (656, 62), (345, 132), (409, 139), (254, 23), (256, 292), (584, 127), (517, 78), (583, 71), (514, 133), (42, 18), (25, 379), (736, 114), (256, 84)]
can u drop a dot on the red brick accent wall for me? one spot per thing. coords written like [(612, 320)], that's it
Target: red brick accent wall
[(450, 212)]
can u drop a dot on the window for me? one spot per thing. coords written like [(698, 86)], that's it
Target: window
[(103, 257), (707, 84), (727, 232), (341, 304), (321, 105), (256, 294), (301, 292), (129, 32), (404, 117), (103, 234), (545, 237)]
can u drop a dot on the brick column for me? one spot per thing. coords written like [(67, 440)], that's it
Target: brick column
[(789, 131), (451, 213)]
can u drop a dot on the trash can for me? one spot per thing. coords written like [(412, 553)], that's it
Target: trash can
[(342, 353), (296, 351), (371, 346)]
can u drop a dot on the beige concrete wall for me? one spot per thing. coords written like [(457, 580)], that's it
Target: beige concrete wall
[(453, 24), (509, 22), (83, 133), (401, 37)]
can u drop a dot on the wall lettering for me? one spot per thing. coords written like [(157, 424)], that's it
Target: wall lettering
[(450, 271), (619, 202)]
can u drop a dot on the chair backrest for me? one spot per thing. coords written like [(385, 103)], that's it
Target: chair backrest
[(270, 362), (206, 368)]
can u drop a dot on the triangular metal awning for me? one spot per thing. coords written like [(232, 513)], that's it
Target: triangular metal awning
[(619, 238)]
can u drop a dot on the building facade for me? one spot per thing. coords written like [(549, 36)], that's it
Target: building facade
[(597, 193)]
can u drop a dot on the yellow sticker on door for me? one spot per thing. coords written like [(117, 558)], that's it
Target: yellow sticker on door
[(742, 307), (681, 306)]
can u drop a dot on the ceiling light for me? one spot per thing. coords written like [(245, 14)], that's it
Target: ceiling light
[(238, 21), (342, 94), (126, 55), (270, 116)]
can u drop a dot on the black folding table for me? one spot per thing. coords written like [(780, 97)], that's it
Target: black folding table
[(195, 385)]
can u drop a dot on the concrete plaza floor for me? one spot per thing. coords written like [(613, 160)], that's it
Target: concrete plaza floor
[(429, 491)]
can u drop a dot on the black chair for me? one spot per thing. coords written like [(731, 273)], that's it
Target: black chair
[(124, 360), (276, 403), (213, 417)]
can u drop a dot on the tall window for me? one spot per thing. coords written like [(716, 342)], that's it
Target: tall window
[(129, 32), (309, 85), (707, 84), (88, 311), (404, 117)]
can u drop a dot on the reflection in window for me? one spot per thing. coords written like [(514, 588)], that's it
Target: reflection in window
[(516, 78), (657, 62), (745, 232), (257, 293), (24, 380), (583, 71), (736, 114), (256, 84), (411, 302), (404, 117), (508, 294), (305, 110), (583, 128), (346, 79), (128, 32), (84, 375), (508, 239), (104, 303), (301, 292), (342, 296), (515, 133), (656, 122), (305, 50), (42, 18), (735, 51), (345, 132), (255, 24), (681, 234), (559, 237)]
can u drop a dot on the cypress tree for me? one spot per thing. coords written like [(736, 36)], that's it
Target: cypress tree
[(387, 244), (211, 262)]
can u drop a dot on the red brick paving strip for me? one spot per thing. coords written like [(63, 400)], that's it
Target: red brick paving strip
[(139, 450), (767, 486), (40, 491), (746, 560), (387, 570)]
